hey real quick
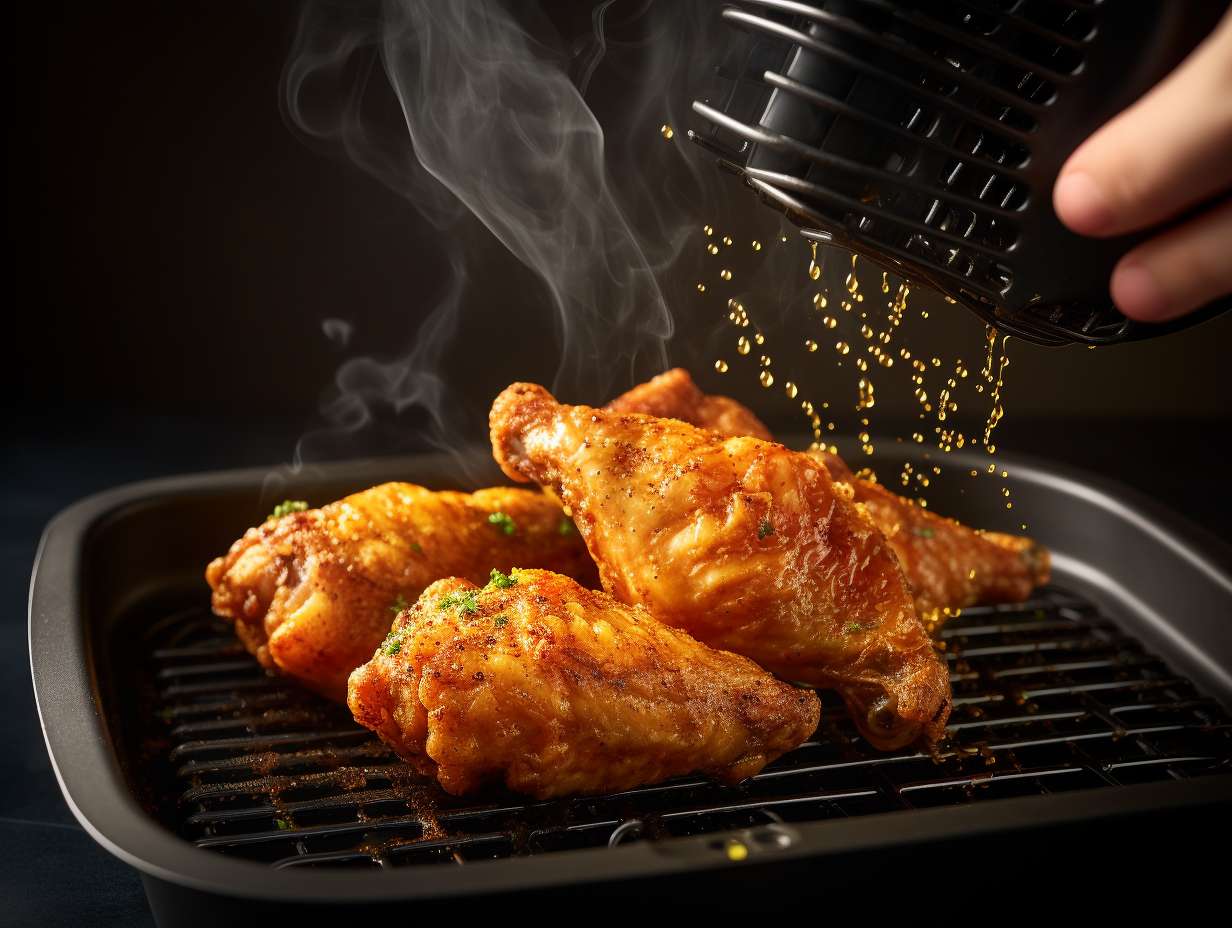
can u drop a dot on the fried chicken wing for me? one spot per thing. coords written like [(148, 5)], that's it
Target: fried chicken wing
[(948, 565), (311, 593), (748, 546), (553, 689)]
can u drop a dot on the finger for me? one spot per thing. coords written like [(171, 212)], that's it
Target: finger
[(1179, 271), (1165, 153)]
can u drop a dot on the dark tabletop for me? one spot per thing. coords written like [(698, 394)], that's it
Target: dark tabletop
[(52, 873)]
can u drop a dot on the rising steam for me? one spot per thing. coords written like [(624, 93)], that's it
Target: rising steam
[(492, 129)]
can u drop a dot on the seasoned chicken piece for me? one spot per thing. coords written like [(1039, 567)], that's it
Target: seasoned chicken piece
[(748, 546), (674, 395), (948, 565), (551, 689), (313, 593)]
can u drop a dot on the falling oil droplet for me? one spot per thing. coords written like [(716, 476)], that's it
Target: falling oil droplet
[(742, 345), (720, 366), (766, 378), (764, 360), (727, 240), (709, 230), (756, 245), (759, 338), (701, 287), (842, 347), (790, 389), (712, 248), (810, 344), (819, 301), (725, 274), (829, 322), (666, 131)]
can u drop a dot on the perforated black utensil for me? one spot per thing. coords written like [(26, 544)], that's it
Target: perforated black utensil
[(928, 135)]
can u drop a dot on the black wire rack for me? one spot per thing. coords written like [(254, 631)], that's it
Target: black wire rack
[(1049, 696)]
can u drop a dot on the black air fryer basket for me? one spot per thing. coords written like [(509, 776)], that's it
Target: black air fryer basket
[(928, 135), (1091, 734)]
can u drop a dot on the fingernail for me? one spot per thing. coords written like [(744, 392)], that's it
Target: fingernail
[(1081, 203), (1137, 293)]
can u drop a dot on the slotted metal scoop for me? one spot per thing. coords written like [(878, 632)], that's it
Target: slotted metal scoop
[(928, 135)]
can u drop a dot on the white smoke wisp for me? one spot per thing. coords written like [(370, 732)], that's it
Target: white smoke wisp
[(494, 117), (484, 124)]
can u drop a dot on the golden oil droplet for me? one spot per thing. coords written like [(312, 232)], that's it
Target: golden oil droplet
[(810, 345), (992, 468), (725, 274), (742, 345), (1005, 473), (975, 473), (756, 245), (727, 240), (720, 366), (842, 347), (814, 271), (936, 362), (765, 360), (712, 248), (829, 322), (866, 331), (819, 301), (790, 389), (701, 287), (709, 230), (904, 354), (783, 239), (766, 378), (759, 338), (862, 364), (666, 131)]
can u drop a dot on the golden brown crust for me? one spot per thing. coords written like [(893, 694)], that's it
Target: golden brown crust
[(552, 689), (674, 395), (948, 566), (311, 593), (747, 545)]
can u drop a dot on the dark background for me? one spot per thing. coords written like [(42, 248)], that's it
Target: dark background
[(176, 248)]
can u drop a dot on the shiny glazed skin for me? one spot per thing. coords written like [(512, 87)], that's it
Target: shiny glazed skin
[(552, 689), (948, 565), (311, 593), (747, 545)]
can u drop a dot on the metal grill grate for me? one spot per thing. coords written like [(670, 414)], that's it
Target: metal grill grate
[(1049, 696)]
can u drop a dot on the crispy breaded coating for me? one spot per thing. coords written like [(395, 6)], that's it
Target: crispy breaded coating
[(947, 564), (551, 689), (312, 593), (747, 545)]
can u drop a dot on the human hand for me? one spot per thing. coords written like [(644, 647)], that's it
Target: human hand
[(1169, 151)]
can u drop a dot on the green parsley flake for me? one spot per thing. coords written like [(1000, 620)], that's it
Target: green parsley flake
[(566, 527), (282, 824), (288, 506), (501, 581), (766, 528), (852, 627), (922, 532), (465, 602), (393, 647), (417, 547), (500, 621), (399, 604), (503, 522)]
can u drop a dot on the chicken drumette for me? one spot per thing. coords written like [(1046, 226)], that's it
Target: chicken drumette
[(748, 546), (313, 593), (552, 689), (948, 565)]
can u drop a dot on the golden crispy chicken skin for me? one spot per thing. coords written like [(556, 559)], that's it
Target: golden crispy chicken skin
[(947, 564), (551, 689), (311, 593), (674, 395), (748, 546)]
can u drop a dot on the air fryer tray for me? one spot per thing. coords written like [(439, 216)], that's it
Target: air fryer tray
[(1103, 699)]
